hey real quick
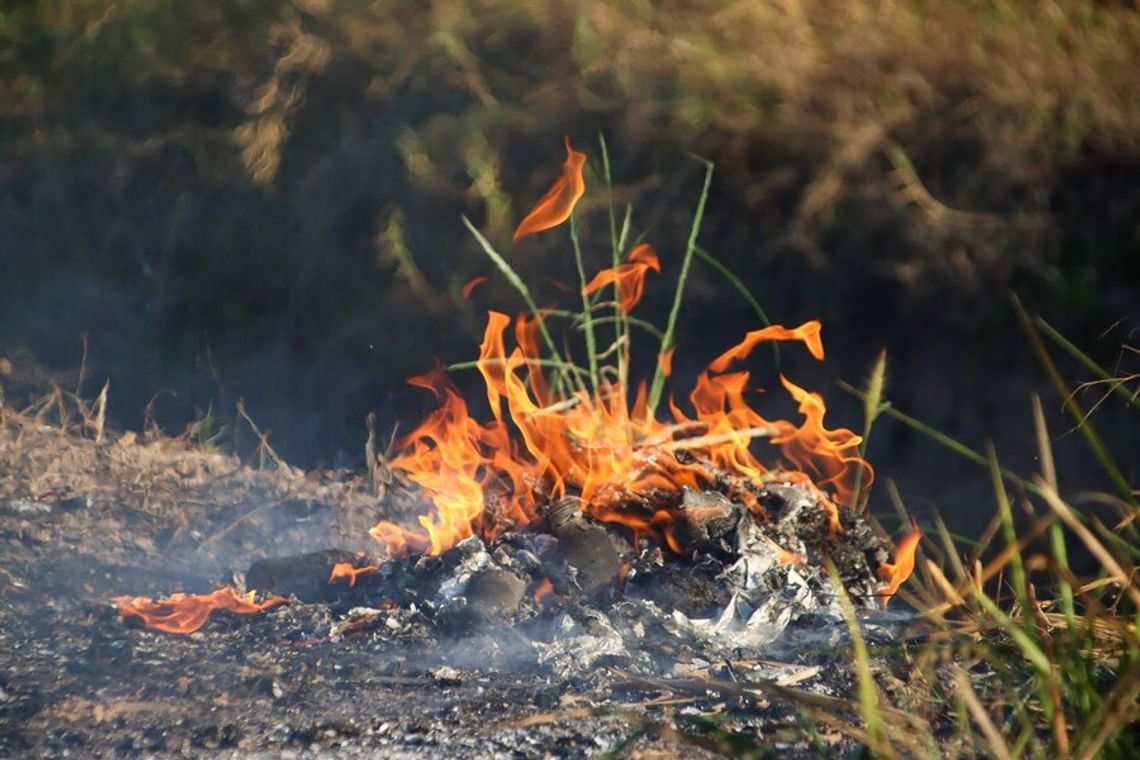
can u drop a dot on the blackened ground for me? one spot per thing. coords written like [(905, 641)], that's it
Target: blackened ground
[(82, 522)]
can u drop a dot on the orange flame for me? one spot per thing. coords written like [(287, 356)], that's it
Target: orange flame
[(895, 574), (786, 557), (487, 478), (555, 207), (545, 589), (473, 283), (829, 457), (347, 570), (186, 613), (808, 333), (629, 277), (665, 359)]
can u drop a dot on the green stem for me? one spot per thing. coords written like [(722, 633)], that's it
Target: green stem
[(649, 327), (1016, 567), (658, 384), (615, 251), (516, 282), (1115, 383), (1092, 438), (562, 366), (957, 447), (587, 317), (744, 292)]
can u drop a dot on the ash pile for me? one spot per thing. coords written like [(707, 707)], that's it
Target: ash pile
[(569, 594)]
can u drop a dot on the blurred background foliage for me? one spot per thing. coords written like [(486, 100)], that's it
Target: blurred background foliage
[(261, 198)]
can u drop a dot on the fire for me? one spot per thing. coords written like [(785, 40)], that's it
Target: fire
[(629, 278), (545, 589), (544, 442), (808, 333), (555, 207), (186, 613), (895, 574), (488, 478), (786, 557), (469, 287), (343, 570)]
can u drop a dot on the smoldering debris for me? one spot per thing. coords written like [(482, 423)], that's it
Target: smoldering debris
[(465, 652), (569, 594)]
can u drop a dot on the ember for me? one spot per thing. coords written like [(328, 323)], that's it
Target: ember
[(344, 570), (896, 573), (186, 613)]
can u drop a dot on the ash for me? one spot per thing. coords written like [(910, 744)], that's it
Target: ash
[(469, 654), (570, 596)]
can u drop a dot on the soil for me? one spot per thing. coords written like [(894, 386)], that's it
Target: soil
[(83, 521)]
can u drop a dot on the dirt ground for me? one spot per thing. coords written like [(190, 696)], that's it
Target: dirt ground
[(83, 521)]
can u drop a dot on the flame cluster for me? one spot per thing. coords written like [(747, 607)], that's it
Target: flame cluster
[(186, 613), (487, 478)]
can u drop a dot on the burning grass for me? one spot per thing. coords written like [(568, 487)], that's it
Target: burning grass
[(1021, 636), (581, 517), (582, 431)]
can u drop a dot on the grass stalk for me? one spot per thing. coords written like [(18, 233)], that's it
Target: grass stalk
[(1073, 407), (1108, 563), (1056, 531), (658, 384), (981, 717), (744, 292), (1115, 383), (615, 257), (649, 327), (587, 315), (517, 283), (1029, 648), (872, 408), (941, 438), (1009, 532), (868, 698)]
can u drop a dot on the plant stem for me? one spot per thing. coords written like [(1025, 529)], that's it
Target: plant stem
[(938, 436), (744, 292), (872, 407), (615, 251), (658, 384), (517, 283), (1100, 451), (587, 317), (1115, 383)]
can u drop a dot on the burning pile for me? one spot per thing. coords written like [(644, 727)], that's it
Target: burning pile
[(623, 464), (575, 495)]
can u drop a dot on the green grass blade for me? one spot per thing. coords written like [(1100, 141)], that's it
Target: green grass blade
[(649, 327), (625, 224), (517, 283), (587, 316), (615, 251), (868, 698), (1114, 382), (872, 408), (658, 384), (1028, 646), (1056, 532), (1100, 451), (1009, 532), (744, 292), (941, 438)]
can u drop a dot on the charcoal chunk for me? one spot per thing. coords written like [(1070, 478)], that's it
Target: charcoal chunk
[(305, 576)]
